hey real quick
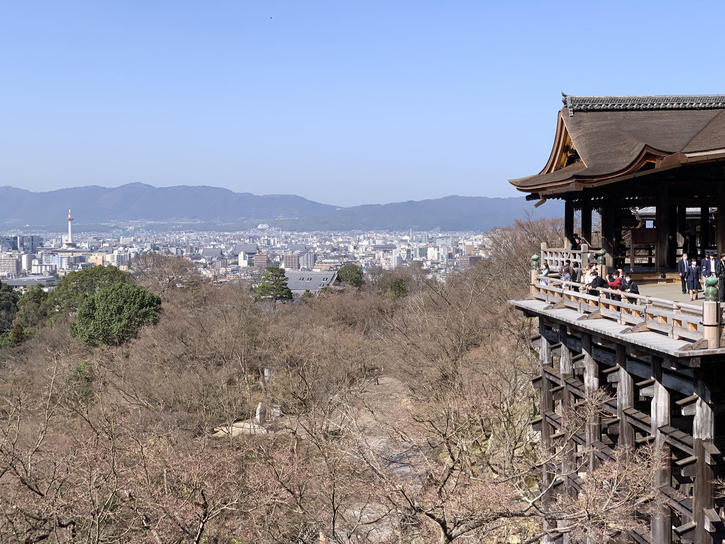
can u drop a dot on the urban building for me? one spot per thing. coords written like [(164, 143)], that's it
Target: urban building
[(290, 262)]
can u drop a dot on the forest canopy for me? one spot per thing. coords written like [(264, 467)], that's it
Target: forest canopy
[(396, 412)]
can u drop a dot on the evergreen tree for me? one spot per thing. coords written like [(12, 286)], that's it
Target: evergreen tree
[(75, 287), (115, 314), (8, 306), (351, 274), (273, 285)]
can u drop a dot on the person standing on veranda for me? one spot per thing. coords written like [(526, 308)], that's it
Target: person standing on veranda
[(682, 265), (692, 278), (720, 275)]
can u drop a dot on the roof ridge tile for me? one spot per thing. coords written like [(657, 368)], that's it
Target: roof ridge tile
[(646, 102)]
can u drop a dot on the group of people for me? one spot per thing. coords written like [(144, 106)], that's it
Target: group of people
[(691, 273), (590, 277)]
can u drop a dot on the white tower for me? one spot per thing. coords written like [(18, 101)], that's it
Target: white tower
[(69, 241)]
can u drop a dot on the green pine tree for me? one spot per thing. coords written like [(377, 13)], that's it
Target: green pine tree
[(273, 285)]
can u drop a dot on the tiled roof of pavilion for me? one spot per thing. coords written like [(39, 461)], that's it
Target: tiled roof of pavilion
[(603, 139)]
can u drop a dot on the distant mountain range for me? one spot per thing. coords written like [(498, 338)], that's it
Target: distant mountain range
[(204, 207)]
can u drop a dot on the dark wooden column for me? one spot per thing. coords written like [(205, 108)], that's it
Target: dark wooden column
[(566, 371), (547, 406), (704, 228), (610, 226), (625, 399), (660, 411), (663, 220), (568, 224), (721, 219), (587, 223), (591, 384), (703, 432), (681, 228)]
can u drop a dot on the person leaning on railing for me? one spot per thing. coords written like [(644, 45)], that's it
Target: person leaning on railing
[(615, 282), (596, 282), (576, 245), (630, 286), (575, 272), (543, 273)]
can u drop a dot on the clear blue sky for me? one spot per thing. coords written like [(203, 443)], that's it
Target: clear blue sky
[(342, 102)]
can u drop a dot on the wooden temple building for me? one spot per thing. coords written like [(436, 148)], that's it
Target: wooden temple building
[(619, 154), (659, 364)]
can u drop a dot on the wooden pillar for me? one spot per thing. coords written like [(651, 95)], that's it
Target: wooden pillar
[(546, 403), (591, 384), (703, 431), (662, 224), (704, 228), (568, 224), (587, 222), (625, 399), (721, 220), (661, 527), (610, 226), (566, 370), (681, 228)]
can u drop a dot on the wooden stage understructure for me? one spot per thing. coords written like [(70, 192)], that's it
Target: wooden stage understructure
[(659, 365)]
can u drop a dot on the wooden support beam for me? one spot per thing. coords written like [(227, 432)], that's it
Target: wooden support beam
[(703, 431), (546, 405), (625, 399), (586, 232), (611, 225), (661, 527), (566, 370), (704, 228), (721, 219), (681, 227), (568, 224), (663, 221), (591, 384)]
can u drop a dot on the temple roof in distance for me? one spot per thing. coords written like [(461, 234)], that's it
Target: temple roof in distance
[(604, 139)]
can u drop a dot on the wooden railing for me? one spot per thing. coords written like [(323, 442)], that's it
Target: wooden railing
[(675, 319), (557, 257)]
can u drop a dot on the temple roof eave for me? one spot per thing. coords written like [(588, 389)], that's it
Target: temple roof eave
[(602, 140), (579, 182)]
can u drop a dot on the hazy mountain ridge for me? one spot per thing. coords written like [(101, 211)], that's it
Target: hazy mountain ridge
[(205, 204)]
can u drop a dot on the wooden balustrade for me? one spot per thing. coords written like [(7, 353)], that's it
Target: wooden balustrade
[(675, 319), (557, 257)]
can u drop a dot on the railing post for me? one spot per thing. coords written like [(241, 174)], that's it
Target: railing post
[(534, 274), (712, 328), (601, 263), (676, 310), (584, 255), (544, 254)]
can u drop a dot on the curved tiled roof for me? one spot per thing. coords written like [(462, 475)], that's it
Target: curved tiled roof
[(616, 136), (667, 102)]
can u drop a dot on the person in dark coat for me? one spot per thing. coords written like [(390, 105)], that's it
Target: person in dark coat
[(705, 265), (692, 277), (597, 282), (708, 266), (576, 244), (721, 278), (575, 272), (682, 265), (630, 286)]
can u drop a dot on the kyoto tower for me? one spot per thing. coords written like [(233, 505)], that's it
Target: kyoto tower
[(69, 241)]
